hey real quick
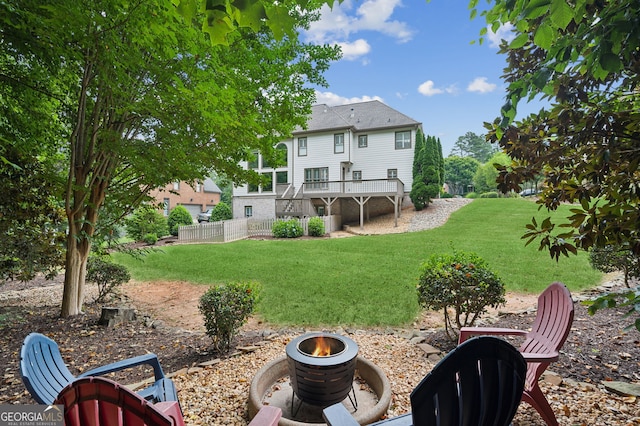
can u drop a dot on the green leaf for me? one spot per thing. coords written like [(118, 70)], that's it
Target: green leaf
[(519, 41), (610, 62), (544, 36), (561, 14)]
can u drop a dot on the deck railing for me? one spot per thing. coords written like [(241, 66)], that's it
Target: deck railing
[(354, 187)]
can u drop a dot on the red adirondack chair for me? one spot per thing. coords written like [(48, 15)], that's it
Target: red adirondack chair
[(96, 401), (541, 345)]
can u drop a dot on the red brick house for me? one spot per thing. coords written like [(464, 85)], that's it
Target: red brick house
[(195, 199)]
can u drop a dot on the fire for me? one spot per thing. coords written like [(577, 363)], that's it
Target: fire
[(322, 347)]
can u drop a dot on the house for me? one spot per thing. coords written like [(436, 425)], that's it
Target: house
[(195, 198), (351, 160)]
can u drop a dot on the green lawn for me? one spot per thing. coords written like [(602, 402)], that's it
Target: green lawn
[(368, 280)]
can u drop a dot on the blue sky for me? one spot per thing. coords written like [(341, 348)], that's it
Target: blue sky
[(417, 57)]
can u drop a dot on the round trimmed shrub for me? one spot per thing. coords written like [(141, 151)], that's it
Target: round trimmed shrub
[(221, 211), (178, 217), (316, 227), (287, 229), (146, 220), (462, 286)]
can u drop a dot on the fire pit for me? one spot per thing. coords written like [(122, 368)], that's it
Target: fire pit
[(321, 368), (273, 384)]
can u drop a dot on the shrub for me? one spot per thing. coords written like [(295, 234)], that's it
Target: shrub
[(445, 194), (225, 309), (146, 220), (287, 229), (462, 283), (316, 227), (492, 194), (471, 195), (179, 216), (108, 276), (150, 239), (611, 259), (221, 211)]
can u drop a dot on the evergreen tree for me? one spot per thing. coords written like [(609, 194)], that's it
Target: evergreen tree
[(427, 163)]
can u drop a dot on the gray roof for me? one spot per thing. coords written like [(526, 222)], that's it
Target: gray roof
[(360, 117), (210, 186)]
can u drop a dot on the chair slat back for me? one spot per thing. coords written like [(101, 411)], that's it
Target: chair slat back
[(44, 372), (93, 401), (478, 383), (553, 321)]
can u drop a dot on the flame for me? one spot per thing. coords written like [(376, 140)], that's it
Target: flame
[(322, 347)]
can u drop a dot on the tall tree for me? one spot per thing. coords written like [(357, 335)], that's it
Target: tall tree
[(485, 177), (426, 171), (472, 145), (459, 173), (149, 100), (583, 58)]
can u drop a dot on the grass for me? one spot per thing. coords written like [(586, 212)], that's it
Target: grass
[(369, 280)]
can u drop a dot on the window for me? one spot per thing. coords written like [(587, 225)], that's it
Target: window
[(338, 143), (392, 173), (281, 155), (403, 140), (282, 177), (253, 161), (316, 178), (198, 187), (357, 175), (267, 185), (248, 211), (165, 206), (302, 147), (363, 141), (252, 187), (321, 211), (176, 186)]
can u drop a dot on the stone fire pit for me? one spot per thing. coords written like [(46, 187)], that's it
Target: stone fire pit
[(272, 386)]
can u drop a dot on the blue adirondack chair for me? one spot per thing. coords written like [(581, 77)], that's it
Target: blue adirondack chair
[(45, 374)]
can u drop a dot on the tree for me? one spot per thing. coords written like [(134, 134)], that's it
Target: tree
[(486, 175), (459, 173), (583, 59), (472, 145), (426, 171), (142, 86), (31, 220)]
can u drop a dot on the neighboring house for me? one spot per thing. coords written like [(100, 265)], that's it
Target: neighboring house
[(352, 160), (195, 199)]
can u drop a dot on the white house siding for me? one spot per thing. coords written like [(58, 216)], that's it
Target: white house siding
[(320, 154), (381, 155)]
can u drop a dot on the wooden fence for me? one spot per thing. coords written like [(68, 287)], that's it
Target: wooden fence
[(238, 229)]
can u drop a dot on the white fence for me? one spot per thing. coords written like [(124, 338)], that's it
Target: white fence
[(238, 229)]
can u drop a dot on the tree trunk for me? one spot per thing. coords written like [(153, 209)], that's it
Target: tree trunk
[(74, 276)]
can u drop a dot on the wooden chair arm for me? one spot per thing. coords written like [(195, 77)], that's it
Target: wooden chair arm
[(147, 359), (545, 358), (468, 332), (267, 416), (338, 415)]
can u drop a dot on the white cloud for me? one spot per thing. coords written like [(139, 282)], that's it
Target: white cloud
[(333, 99), (481, 85), (354, 50), (503, 33), (428, 89), (339, 23)]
